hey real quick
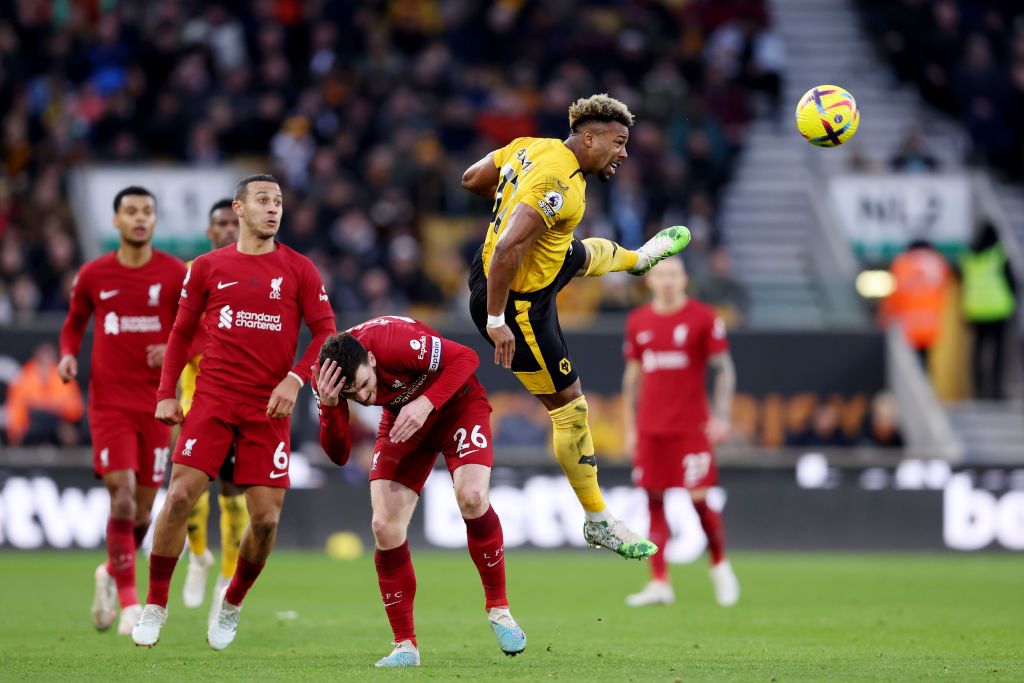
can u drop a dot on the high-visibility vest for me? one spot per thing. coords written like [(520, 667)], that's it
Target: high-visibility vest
[(987, 295), (922, 278)]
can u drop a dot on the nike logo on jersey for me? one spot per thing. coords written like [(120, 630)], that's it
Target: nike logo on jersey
[(389, 604), (104, 295), (225, 285), (463, 455), (277, 475), (644, 336), (491, 564)]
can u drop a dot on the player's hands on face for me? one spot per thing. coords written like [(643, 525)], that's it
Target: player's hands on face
[(282, 399), (504, 345), (717, 430), (155, 355), (168, 411), (329, 382), (410, 418), (67, 368)]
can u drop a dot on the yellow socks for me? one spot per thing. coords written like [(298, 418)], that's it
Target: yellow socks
[(197, 518), (234, 517), (607, 256), (574, 450)]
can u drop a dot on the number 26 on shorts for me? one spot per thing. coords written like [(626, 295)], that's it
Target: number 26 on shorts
[(476, 438)]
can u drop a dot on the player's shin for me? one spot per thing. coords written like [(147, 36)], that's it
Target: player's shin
[(607, 256), (121, 559), (198, 517), (711, 522), (658, 534), (397, 581), (487, 548), (574, 450), (234, 518)]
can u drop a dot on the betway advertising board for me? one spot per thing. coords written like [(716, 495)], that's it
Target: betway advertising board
[(919, 505), (881, 213)]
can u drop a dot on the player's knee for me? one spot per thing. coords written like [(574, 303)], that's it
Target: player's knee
[(264, 524), (122, 504), (178, 504), (387, 532), (472, 501)]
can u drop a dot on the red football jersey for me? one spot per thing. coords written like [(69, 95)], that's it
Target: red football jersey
[(414, 360), (252, 307), (673, 351), (134, 307)]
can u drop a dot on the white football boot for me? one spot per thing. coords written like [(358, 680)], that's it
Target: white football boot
[(511, 638), (104, 599), (147, 629), (129, 617), (404, 654), (727, 588), (195, 580), (222, 630), (654, 593), (219, 587)]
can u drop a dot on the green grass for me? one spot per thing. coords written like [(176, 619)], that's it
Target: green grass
[(802, 617)]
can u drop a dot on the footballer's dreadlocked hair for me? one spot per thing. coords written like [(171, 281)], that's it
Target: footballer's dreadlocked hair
[(600, 108), (243, 185), (347, 352)]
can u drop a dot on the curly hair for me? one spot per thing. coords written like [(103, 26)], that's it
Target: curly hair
[(601, 108), (347, 352)]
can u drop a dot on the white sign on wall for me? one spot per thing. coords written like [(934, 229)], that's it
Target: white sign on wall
[(880, 214), (184, 197)]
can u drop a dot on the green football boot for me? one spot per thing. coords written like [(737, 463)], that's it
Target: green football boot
[(618, 538), (667, 242)]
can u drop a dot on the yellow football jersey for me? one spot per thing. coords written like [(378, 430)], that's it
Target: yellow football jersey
[(544, 174)]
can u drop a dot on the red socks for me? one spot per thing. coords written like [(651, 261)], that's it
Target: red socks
[(487, 548), (245, 574), (121, 559), (161, 568), (397, 589), (711, 522), (658, 534)]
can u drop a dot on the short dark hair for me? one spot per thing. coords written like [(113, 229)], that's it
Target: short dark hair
[(347, 352), (132, 190), (220, 204), (243, 185)]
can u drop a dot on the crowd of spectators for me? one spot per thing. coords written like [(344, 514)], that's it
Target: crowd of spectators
[(368, 112), (967, 57)]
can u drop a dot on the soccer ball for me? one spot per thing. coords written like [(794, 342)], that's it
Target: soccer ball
[(827, 116)]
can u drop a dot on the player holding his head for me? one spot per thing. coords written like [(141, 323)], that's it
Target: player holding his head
[(133, 294), (670, 343), (254, 295), (222, 231), (433, 404), (529, 254)]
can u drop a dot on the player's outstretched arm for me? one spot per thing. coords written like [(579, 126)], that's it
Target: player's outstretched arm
[(525, 226), (482, 177), (335, 438), (73, 330)]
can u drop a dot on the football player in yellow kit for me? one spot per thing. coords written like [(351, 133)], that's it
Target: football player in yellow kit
[(530, 253), (221, 230)]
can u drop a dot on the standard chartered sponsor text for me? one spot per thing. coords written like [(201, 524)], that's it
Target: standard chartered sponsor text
[(258, 321), (140, 323)]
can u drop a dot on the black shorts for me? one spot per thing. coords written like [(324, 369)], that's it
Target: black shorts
[(541, 360)]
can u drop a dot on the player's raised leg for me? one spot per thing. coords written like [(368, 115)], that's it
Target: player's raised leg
[(200, 559), (264, 504), (487, 548), (187, 484), (727, 587), (658, 590), (393, 505), (605, 256)]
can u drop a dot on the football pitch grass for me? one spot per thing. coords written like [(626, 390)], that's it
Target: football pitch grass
[(802, 617)]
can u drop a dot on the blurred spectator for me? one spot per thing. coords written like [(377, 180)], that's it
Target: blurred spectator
[(912, 157), (989, 301), (825, 429), (882, 429), (518, 423), (407, 273), (724, 292), (41, 409), (922, 279)]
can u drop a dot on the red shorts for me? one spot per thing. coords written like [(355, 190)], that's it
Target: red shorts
[(262, 444), (665, 461), (461, 431), (130, 440)]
